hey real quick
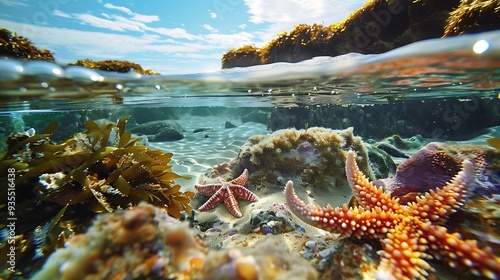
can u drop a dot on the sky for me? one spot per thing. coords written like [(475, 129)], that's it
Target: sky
[(169, 37)]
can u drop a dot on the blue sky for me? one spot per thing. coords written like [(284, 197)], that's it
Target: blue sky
[(170, 37)]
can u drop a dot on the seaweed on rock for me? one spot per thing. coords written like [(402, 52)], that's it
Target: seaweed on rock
[(102, 169)]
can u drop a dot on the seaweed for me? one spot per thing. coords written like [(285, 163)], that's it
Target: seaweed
[(377, 27), (60, 186), (121, 66), (20, 47)]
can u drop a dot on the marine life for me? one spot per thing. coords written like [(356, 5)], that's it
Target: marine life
[(494, 142), (409, 233), (227, 192)]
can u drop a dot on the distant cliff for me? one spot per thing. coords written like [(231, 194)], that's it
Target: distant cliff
[(379, 26)]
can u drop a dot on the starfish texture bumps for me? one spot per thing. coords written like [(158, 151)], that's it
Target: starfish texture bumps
[(227, 192), (409, 233)]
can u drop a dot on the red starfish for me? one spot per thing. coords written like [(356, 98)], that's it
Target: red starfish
[(227, 192)]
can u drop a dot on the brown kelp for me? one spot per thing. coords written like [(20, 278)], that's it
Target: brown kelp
[(59, 186), (120, 66), (20, 47)]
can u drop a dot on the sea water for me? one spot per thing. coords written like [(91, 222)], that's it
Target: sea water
[(450, 86), (459, 71)]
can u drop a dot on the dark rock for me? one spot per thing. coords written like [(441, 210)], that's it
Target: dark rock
[(229, 125), (203, 129), (156, 131), (167, 134), (450, 119), (257, 116), (275, 220)]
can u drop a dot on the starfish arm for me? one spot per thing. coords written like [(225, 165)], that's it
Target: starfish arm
[(242, 179), (243, 193), (403, 255), (345, 220), (437, 205), (214, 200), (461, 253), (232, 204), (207, 190), (365, 193)]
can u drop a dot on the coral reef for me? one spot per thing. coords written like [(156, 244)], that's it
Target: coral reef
[(312, 156), (20, 47), (267, 259), (379, 26), (473, 16), (139, 243), (409, 233), (60, 186), (121, 66)]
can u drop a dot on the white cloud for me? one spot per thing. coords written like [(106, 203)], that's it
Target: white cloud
[(242, 26), (210, 28), (213, 15), (60, 13), (14, 3), (285, 15), (119, 8), (145, 18), (173, 32), (229, 40)]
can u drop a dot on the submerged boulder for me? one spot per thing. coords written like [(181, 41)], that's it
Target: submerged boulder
[(159, 131)]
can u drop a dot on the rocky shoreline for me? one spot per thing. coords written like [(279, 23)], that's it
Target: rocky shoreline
[(379, 26)]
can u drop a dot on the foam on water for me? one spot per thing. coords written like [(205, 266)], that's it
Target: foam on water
[(438, 67)]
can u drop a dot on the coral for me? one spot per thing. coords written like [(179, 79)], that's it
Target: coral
[(267, 259), (20, 47), (311, 155), (121, 66), (473, 16), (410, 233), (348, 260), (102, 169), (140, 243)]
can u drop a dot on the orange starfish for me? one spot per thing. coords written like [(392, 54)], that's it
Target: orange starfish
[(409, 233), (227, 192)]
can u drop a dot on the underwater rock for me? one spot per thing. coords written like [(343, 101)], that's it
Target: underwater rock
[(229, 125), (276, 219), (450, 119), (142, 242), (380, 162), (267, 259), (434, 165), (157, 131), (473, 17), (311, 156), (348, 259), (257, 116)]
